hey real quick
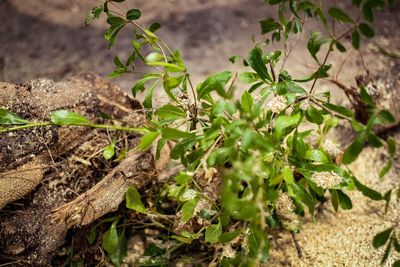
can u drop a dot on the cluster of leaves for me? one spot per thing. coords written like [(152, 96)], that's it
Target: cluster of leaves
[(259, 145)]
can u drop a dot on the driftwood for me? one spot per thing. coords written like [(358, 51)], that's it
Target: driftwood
[(53, 179)]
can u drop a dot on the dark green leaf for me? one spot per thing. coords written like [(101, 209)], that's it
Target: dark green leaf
[(396, 263), (213, 233), (340, 46), (381, 238), (366, 30), (285, 87), (386, 168), (367, 11), (344, 201), (133, 14), (314, 44), (391, 143), (139, 86), (386, 117), (335, 199), (339, 14), (283, 122), (174, 134), (9, 118), (154, 27), (133, 200), (170, 112), (365, 97), (65, 117), (147, 140), (355, 39), (339, 109), (269, 25), (229, 236), (366, 191), (215, 82), (352, 152), (374, 140), (322, 72), (256, 63), (387, 251), (314, 115)]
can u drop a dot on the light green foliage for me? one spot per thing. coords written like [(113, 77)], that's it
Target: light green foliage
[(257, 143)]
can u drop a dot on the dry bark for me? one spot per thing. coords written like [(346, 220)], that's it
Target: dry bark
[(59, 172)]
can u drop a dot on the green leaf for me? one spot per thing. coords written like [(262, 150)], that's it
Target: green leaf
[(386, 117), (396, 263), (109, 151), (314, 44), (366, 30), (374, 140), (339, 109), (340, 46), (391, 143), (139, 86), (285, 87), (170, 112), (381, 238), (213, 233), (168, 66), (133, 200), (339, 14), (148, 100), (174, 134), (154, 27), (110, 239), (116, 24), (133, 14), (352, 152), (214, 82), (344, 200), (9, 118), (188, 209), (365, 97), (366, 191), (335, 199), (65, 117), (386, 168), (256, 63), (269, 25), (367, 11), (283, 122), (229, 236), (317, 155), (246, 102), (314, 115), (322, 72), (147, 140), (355, 39)]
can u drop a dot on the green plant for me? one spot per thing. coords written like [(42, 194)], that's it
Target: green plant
[(268, 148)]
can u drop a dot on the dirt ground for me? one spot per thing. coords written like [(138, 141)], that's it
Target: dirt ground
[(46, 38)]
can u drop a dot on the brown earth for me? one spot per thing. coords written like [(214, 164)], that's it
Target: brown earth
[(47, 39)]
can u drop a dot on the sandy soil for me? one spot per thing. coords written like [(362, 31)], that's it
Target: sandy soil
[(46, 38)]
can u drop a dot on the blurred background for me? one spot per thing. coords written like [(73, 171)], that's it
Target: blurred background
[(47, 38)]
